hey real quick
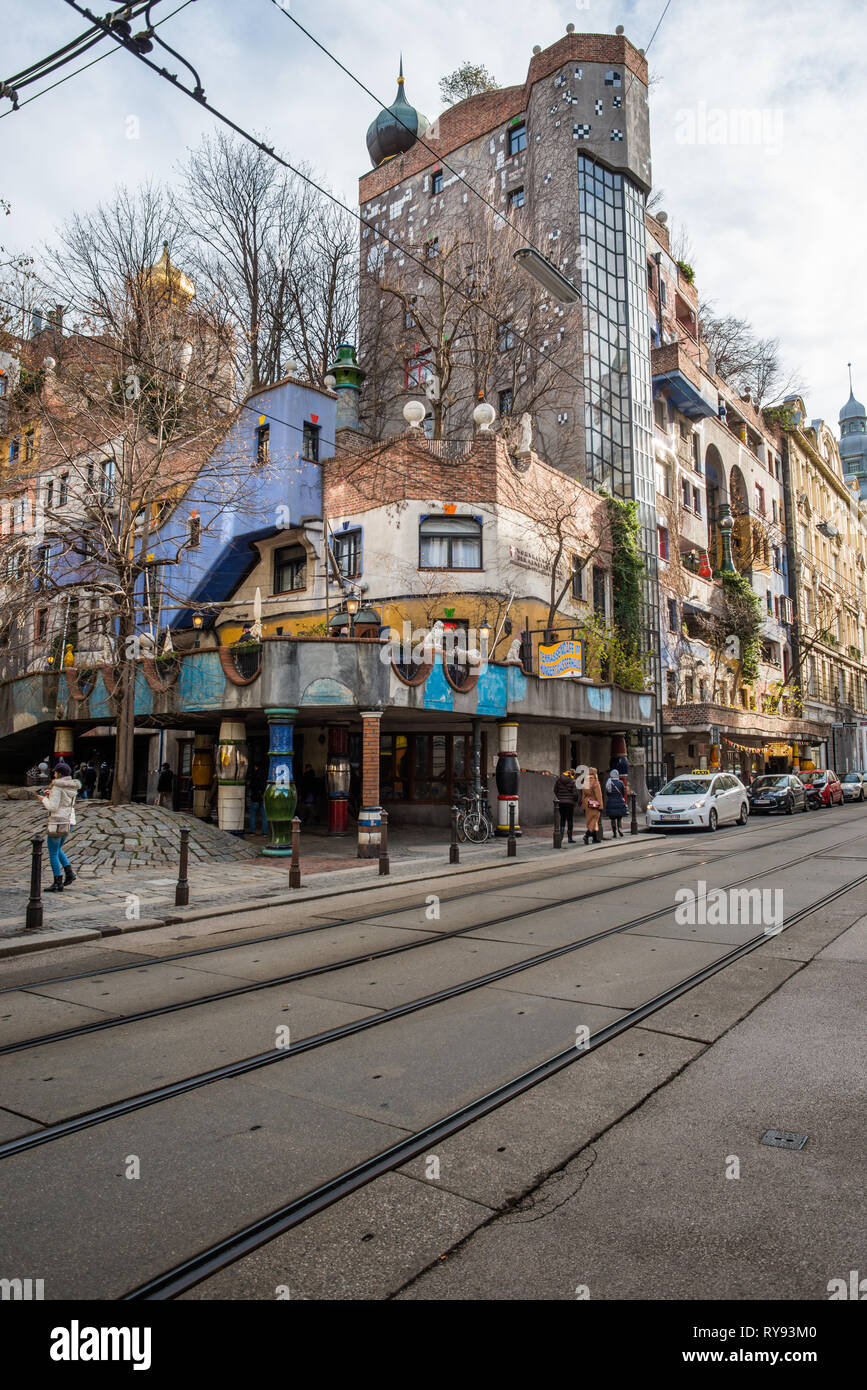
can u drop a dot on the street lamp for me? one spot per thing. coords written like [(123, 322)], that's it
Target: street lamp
[(197, 621), (547, 275), (352, 606), (484, 635)]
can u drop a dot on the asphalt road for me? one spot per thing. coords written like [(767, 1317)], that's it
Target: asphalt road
[(610, 1176)]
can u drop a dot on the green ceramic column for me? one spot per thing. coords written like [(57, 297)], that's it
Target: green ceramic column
[(281, 794)]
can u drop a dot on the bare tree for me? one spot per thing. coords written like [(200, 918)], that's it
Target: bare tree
[(746, 361), (466, 81), (275, 256)]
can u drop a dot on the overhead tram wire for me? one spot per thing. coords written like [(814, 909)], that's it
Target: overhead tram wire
[(198, 95), (100, 58), (70, 51)]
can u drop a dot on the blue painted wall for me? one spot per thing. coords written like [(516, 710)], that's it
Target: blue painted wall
[(282, 492)]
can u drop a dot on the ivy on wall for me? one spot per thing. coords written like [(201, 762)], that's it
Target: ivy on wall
[(627, 569), (743, 619)]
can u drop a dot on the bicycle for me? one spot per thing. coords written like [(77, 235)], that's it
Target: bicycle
[(474, 821)]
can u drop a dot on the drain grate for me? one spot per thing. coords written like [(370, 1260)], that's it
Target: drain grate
[(784, 1139)]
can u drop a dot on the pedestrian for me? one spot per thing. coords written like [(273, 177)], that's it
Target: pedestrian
[(90, 775), (615, 802), (79, 777), (59, 802), (566, 795), (165, 786), (307, 794), (104, 781), (257, 781), (591, 801)]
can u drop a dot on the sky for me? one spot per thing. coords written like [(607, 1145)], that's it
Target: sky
[(775, 206)]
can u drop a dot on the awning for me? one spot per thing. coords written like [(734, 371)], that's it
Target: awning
[(688, 399)]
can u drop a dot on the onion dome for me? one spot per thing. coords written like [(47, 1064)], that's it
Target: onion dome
[(852, 410), (165, 278), (395, 129)]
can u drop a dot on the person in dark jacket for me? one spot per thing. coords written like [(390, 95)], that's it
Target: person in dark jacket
[(104, 781), (165, 786), (566, 794), (615, 803), (257, 781), (90, 775)]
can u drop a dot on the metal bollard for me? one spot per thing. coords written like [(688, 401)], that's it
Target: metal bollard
[(182, 891), (295, 866), (383, 845), (558, 826), (34, 907), (633, 829), (454, 850), (511, 843)]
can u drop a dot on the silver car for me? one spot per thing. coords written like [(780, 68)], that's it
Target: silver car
[(853, 784)]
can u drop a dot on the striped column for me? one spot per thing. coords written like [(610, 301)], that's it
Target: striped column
[(231, 775), (507, 776)]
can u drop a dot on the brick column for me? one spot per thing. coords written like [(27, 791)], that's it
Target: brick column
[(370, 815)]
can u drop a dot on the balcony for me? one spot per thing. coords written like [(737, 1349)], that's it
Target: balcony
[(691, 392)]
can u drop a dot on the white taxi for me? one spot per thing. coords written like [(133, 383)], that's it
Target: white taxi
[(697, 799)]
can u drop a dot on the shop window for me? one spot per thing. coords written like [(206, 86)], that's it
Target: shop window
[(450, 542)]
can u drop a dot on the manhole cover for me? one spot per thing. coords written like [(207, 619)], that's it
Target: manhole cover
[(784, 1139)]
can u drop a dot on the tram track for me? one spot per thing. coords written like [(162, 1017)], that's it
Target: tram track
[(114, 1110), (294, 977), (249, 1238), (567, 869)]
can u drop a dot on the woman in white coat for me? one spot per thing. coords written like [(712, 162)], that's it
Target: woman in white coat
[(59, 802)]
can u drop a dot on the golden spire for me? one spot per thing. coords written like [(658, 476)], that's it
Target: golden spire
[(164, 277)]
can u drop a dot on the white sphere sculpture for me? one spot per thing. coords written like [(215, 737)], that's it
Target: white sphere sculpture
[(484, 415), (330, 382), (414, 412)]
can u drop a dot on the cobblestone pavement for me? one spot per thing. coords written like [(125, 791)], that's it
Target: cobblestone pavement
[(126, 859)]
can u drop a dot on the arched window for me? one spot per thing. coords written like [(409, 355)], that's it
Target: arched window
[(450, 543)]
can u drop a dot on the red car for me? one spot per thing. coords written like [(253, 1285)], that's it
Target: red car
[(826, 783)]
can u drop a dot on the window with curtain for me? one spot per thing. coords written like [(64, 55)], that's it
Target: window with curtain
[(450, 542)]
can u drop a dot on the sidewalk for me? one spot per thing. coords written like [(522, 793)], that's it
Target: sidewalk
[(106, 900)]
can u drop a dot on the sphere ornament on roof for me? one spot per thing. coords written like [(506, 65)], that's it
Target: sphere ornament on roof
[(396, 128), (164, 278)]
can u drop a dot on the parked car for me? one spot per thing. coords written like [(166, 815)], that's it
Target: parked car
[(853, 785), (826, 783), (777, 792), (695, 799)]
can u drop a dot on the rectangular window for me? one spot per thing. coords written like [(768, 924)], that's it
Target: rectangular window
[(662, 542), (759, 499), (505, 401), (663, 479), (577, 577), (49, 494), (672, 615), (14, 449), (517, 138), (696, 501), (687, 688), (599, 598), (685, 494), (433, 248), (506, 336), (436, 183), (671, 687), (263, 443), (663, 293), (450, 542), (310, 442), (40, 625), (346, 549), (696, 451), (416, 370), (409, 319), (769, 604), (516, 198), (650, 275), (290, 569), (29, 445)]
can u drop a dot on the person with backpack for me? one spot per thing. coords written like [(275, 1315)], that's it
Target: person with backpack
[(566, 795), (615, 802), (591, 801), (59, 802)]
